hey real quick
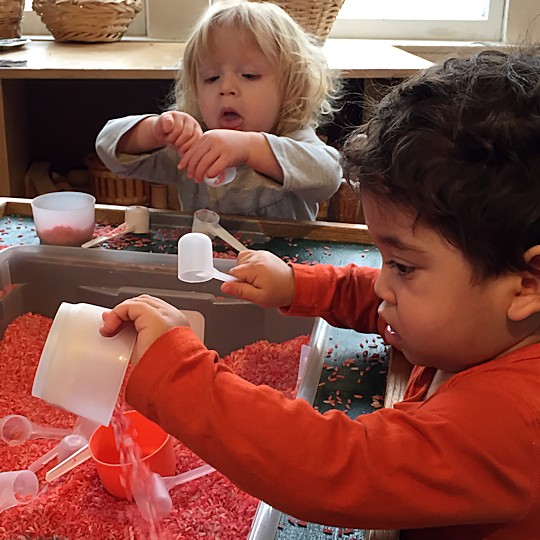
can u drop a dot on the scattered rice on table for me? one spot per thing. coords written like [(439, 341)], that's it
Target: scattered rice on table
[(76, 506)]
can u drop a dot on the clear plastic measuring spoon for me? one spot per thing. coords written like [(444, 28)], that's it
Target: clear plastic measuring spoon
[(154, 501), (74, 451), (229, 174), (16, 429), (195, 263), (136, 220), (207, 222), (17, 487), (64, 449)]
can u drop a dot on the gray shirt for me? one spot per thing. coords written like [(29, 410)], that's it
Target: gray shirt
[(311, 174)]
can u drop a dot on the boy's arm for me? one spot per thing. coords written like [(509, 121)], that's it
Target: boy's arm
[(343, 296), (431, 463)]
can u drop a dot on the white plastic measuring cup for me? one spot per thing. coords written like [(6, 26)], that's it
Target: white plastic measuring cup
[(16, 429), (137, 221), (195, 262), (17, 487), (154, 501), (64, 218), (80, 370), (207, 222), (229, 174)]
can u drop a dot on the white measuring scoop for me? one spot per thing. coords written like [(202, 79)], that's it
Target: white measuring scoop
[(228, 175), (17, 487), (16, 429), (153, 500), (207, 222), (63, 450), (137, 221), (195, 261)]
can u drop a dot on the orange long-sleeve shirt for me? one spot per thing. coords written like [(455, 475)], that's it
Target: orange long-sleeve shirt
[(462, 464)]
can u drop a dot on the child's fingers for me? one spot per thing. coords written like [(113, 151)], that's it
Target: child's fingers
[(244, 291), (166, 122)]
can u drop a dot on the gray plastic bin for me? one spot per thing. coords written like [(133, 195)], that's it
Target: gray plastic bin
[(39, 278)]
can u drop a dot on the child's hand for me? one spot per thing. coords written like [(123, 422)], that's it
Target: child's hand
[(176, 129), (266, 279), (151, 317), (216, 150)]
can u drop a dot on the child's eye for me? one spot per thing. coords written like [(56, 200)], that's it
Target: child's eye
[(212, 79), (250, 76), (402, 269)]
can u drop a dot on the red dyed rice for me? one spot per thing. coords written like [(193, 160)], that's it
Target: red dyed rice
[(76, 506)]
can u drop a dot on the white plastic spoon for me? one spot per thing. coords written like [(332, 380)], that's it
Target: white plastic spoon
[(137, 220), (154, 501), (207, 222), (16, 429), (195, 262)]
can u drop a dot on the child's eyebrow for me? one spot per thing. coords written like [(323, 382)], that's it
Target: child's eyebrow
[(397, 243)]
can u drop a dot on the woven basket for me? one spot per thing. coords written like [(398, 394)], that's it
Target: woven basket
[(11, 12), (109, 188), (87, 20), (315, 16)]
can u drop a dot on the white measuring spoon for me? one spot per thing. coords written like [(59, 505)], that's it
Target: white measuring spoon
[(63, 450), (229, 174), (17, 487), (207, 222), (195, 262), (16, 429), (154, 501), (72, 461), (137, 220)]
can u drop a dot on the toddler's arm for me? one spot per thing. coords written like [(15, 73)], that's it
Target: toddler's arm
[(151, 316), (266, 279), (218, 149), (176, 129)]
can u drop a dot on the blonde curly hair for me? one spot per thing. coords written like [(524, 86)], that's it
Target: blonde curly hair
[(308, 88)]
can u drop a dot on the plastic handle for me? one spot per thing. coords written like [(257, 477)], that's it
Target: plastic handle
[(173, 481), (68, 464), (42, 432), (43, 460), (222, 276), (120, 230), (226, 236)]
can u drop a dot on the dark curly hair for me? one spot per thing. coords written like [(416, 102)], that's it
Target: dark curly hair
[(459, 146)]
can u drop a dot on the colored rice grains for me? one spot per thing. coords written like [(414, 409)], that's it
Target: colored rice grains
[(76, 506)]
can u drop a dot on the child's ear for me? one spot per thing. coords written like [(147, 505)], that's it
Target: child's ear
[(527, 301)]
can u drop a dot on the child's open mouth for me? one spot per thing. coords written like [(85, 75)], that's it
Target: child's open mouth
[(230, 119)]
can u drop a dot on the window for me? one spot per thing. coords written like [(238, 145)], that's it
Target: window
[(445, 20), (470, 20)]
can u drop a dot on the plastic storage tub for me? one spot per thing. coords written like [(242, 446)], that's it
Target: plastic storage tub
[(39, 278)]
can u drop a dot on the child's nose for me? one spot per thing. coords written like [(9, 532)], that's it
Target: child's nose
[(228, 86), (382, 287)]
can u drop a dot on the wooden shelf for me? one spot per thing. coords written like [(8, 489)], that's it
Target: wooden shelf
[(159, 60), (50, 111)]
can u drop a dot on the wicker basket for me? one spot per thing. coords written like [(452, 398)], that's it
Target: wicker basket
[(87, 20), (314, 16), (11, 12), (109, 188)]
